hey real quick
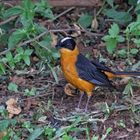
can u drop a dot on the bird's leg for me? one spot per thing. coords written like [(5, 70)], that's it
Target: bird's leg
[(86, 108), (68, 89), (81, 96)]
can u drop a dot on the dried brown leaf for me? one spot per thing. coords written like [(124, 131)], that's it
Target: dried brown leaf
[(94, 24), (77, 32), (54, 39), (18, 80), (12, 107)]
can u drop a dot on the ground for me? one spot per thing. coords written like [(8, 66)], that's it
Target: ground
[(109, 108)]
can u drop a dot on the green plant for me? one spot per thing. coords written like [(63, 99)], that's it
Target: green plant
[(36, 133), (128, 89), (5, 124), (28, 126), (85, 20), (31, 92), (49, 132), (3, 111), (121, 17), (121, 124), (113, 38), (108, 131), (20, 41), (132, 34), (13, 87)]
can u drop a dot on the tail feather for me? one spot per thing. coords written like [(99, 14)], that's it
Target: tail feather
[(125, 73)]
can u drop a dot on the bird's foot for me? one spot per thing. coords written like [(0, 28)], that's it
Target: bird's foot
[(69, 89)]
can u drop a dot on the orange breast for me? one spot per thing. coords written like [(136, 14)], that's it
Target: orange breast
[(71, 75)]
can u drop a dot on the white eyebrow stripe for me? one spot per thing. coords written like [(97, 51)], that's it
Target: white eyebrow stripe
[(64, 39)]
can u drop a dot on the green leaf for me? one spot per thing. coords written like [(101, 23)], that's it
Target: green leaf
[(132, 2), (28, 13), (48, 14), (9, 56), (137, 42), (49, 132), (13, 11), (110, 2), (13, 87), (119, 16), (10, 60), (108, 130), (16, 37), (120, 38), (85, 20), (20, 50), (106, 134), (4, 124), (67, 137), (28, 52), (26, 59), (2, 69), (55, 55), (128, 89), (134, 51), (95, 138), (39, 28), (122, 53), (44, 9), (114, 30), (133, 29), (35, 134), (111, 45), (31, 92), (28, 4)]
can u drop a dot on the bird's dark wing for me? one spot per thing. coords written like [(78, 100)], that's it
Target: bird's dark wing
[(90, 72), (100, 66)]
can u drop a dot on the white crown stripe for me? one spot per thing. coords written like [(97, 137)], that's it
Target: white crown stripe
[(64, 39)]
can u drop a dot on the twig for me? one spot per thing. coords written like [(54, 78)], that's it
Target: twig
[(70, 119), (4, 52), (63, 13), (8, 20)]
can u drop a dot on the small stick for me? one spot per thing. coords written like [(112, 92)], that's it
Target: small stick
[(63, 13), (8, 20)]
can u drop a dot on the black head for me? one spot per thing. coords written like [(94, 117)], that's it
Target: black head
[(67, 42)]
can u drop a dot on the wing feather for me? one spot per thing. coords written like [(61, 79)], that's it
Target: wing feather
[(90, 72)]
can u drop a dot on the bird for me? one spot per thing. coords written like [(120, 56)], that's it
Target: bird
[(82, 73)]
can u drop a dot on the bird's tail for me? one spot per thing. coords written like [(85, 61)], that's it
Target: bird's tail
[(127, 74)]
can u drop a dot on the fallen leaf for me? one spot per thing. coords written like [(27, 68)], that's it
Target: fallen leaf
[(12, 107), (18, 80), (42, 119), (94, 24), (77, 32), (54, 39), (129, 130)]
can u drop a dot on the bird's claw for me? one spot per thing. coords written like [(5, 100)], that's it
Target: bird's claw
[(68, 89)]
